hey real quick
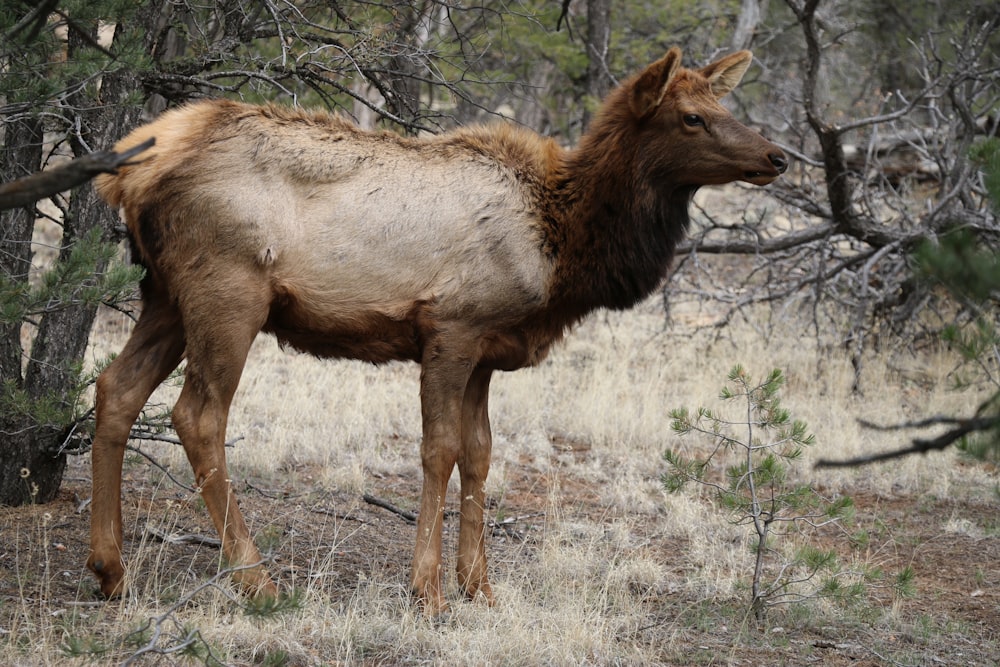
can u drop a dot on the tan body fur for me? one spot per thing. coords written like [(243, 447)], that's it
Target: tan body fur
[(469, 252)]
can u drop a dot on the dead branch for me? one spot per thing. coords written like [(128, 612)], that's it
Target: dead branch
[(143, 432), (791, 240), (33, 21), (29, 189), (378, 502), (189, 538), (962, 428), (337, 515), (507, 525), (161, 467), (179, 636)]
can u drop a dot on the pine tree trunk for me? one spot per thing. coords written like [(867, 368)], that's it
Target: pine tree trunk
[(32, 456), (751, 13), (598, 41), (31, 468), (21, 155), (31, 465)]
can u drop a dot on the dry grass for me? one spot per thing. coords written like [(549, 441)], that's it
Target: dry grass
[(610, 569)]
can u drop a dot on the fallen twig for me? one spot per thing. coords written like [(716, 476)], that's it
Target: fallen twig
[(514, 519), (157, 628), (139, 433), (507, 525), (190, 538), (337, 515), (378, 502)]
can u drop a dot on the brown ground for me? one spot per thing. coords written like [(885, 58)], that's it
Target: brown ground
[(953, 620)]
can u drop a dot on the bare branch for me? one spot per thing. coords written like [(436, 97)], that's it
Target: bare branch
[(758, 246), (186, 538), (378, 502), (162, 468), (26, 191), (33, 21), (962, 428)]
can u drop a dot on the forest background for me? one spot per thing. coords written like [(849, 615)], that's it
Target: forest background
[(887, 108)]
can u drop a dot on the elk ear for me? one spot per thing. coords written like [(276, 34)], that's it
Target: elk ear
[(651, 85), (724, 74)]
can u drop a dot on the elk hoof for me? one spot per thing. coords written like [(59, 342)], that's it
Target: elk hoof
[(110, 577), (482, 592), (256, 583), (432, 605), (267, 590)]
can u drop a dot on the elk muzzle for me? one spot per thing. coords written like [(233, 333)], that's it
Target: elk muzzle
[(777, 165)]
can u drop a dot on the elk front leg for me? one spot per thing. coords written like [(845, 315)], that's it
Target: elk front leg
[(442, 388), (154, 349), (220, 333), (474, 466)]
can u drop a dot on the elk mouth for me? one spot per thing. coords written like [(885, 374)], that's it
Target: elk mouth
[(760, 177), (777, 164)]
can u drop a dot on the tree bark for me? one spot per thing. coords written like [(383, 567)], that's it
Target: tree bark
[(411, 27), (598, 40), (22, 464), (749, 18), (40, 401)]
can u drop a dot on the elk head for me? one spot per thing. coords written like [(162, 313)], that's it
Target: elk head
[(699, 141)]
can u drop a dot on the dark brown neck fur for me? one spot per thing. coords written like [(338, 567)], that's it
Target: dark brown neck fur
[(614, 220)]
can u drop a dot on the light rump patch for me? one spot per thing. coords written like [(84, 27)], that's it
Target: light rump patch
[(470, 252)]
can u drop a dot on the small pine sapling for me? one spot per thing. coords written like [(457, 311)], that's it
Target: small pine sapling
[(754, 450)]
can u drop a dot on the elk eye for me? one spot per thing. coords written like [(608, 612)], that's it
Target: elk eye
[(693, 120)]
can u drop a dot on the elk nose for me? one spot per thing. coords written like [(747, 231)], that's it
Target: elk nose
[(779, 161)]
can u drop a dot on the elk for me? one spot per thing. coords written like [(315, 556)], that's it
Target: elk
[(469, 252)]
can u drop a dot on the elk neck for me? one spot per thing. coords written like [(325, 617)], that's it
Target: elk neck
[(613, 222)]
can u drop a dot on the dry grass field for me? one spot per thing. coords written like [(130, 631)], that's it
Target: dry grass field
[(592, 561)]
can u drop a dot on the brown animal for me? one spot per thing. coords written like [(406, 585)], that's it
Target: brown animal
[(469, 252)]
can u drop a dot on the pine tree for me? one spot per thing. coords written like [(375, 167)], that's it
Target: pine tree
[(55, 105), (970, 271)]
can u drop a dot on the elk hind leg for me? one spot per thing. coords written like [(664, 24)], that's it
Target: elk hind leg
[(154, 349)]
